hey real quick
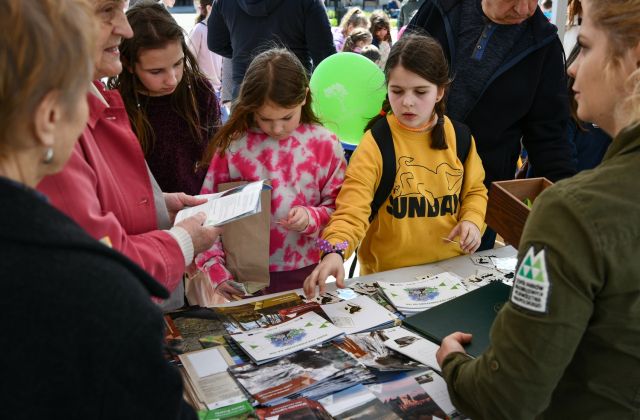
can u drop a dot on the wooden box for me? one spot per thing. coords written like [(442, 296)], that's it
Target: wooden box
[(506, 210)]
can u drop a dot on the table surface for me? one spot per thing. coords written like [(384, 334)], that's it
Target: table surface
[(195, 323), (462, 266)]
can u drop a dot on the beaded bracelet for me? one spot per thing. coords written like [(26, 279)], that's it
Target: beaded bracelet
[(327, 248)]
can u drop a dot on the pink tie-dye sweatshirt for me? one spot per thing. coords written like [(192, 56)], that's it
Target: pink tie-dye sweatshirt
[(306, 169)]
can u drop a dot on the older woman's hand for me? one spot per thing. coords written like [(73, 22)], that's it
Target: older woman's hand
[(177, 201)]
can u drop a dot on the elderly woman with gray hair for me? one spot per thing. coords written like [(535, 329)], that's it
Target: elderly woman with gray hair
[(82, 339)]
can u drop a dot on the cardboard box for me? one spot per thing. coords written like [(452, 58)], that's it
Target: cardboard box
[(506, 210)]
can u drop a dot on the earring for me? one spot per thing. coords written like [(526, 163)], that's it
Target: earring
[(48, 155)]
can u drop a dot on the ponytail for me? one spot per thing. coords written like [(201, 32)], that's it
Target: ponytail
[(438, 140), (386, 108)]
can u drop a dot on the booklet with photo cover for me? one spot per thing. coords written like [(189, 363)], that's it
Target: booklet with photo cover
[(370, 350), (425, 293), (269, 343), (412, 345), (405, 397), (472, 313), (300, 408), (359, 314), (207, 382), (293, 373), (227, 206), (258, 314)]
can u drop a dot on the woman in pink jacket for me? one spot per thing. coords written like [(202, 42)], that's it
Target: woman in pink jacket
[(106, 186)]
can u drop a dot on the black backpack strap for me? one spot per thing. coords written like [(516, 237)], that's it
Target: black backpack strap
[(463, 140), (382, 135)]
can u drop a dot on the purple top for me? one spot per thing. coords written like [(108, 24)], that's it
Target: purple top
[(175, 154)]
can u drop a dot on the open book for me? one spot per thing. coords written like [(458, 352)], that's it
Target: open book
[(228, 206)]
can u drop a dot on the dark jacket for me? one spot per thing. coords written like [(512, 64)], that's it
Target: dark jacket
[(526, 98), (240, 29), (81, 338)]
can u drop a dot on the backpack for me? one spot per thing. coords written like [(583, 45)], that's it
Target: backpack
[(382, 135)]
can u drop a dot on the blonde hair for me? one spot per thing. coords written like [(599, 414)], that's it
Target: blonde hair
[(620, 20), (354, 17), (45, 46)]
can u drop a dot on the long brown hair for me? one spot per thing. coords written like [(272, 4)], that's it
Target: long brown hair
[(423, 56), (154, 28), (202, 5), (380, 20), (275, 75)]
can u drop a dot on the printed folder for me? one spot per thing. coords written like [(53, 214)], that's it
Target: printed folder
[(472, 312)]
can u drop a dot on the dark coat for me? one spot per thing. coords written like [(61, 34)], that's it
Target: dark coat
[(240, 29), (525, 99), (81, 338)]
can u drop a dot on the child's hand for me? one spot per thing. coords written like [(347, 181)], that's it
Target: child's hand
[(228, 291), (469, 236), (331, 265), (297, 219)]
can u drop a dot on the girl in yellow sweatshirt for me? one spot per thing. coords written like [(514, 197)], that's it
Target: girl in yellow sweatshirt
[(434, 196)]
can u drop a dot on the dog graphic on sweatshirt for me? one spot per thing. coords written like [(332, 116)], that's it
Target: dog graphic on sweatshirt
[(432, 184)]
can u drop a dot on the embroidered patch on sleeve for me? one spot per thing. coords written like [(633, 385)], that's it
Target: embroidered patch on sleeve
[(531, 287)]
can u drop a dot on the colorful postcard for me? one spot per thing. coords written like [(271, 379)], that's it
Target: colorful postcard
[(405, 397), (300, 408)]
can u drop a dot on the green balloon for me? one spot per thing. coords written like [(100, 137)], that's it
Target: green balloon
[(348, 90)]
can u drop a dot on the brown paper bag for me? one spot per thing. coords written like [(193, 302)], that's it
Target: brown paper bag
[(246, 244)]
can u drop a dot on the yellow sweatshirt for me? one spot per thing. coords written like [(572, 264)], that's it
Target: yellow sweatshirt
[(432, 191)]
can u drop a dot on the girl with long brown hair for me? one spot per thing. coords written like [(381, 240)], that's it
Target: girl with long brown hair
[(273, 133), (171, 105)]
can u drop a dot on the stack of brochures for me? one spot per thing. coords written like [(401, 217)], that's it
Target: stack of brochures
[(265, 312), (358, 315), (317, 370), (209, 387), (416, 296), (268, 343)]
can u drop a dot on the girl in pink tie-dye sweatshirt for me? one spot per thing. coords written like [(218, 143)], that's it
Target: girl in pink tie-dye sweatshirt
[(273, 134)]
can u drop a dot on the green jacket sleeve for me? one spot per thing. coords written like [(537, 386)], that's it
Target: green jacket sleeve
[(531, 349)]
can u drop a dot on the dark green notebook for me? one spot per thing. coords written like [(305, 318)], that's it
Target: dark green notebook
[(472, 312)]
